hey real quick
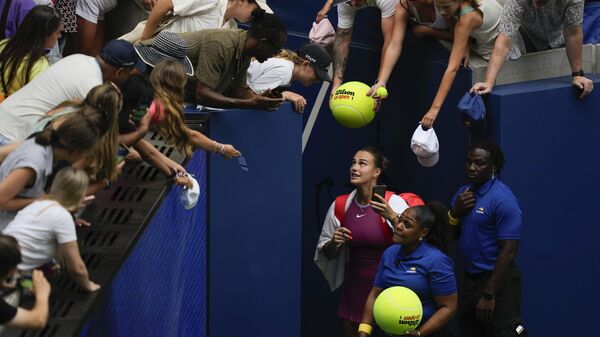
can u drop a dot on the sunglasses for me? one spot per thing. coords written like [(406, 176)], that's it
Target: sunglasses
[(276, 48)]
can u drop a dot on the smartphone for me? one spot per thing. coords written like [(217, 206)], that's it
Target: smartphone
[(379, 189)]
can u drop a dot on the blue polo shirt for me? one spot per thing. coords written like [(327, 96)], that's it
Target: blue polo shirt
[(426, 271), (496, 216)]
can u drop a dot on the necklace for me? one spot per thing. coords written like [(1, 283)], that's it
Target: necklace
[(361, 208)]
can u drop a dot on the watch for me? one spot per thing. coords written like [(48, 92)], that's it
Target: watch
[(489, 295), (578, 73)]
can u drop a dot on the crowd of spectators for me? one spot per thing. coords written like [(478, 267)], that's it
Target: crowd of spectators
[(66, 121)]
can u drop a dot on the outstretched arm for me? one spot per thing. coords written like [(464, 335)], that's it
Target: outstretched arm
[(341, 47), (460, 47), (501, 49), (393, 29)]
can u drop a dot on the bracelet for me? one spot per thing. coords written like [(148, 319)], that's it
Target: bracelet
[(222, 151), (366, 328), (578, 73), (452, 220)]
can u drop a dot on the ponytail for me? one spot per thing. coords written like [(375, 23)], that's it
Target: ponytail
[(434, 216)]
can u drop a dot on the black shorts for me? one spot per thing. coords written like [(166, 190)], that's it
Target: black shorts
[(507, 312)]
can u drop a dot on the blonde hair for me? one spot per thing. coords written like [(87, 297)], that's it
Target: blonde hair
[(69, 188), (290, 56), (101, 106), (168, 80)]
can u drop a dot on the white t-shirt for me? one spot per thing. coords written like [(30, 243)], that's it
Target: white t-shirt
[(69, 78), (194, 15), (274, 72), (93, 10), (40, 228), (346, 12)]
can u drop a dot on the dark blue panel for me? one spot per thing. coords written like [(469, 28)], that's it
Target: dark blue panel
[(161, 288), (255, 219), (550, 139)]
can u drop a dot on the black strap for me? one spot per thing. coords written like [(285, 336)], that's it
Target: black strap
[(4, 18)]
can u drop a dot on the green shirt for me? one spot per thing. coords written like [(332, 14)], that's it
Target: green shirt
[(218, 55)]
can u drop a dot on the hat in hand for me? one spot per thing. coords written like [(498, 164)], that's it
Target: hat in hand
[(165, 45), (189, 196), (473, 112), (322, 33), (424, 144)]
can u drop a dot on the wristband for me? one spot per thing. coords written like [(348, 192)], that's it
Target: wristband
[(578, 73), (489, 295), (366, 328), (452, 220)]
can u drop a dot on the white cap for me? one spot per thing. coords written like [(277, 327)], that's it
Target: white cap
[(189, 196), (263, 4), (424, 144)]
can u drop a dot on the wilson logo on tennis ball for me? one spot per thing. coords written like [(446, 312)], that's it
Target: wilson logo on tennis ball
[(351, 106), (410, 320), (344, 94)]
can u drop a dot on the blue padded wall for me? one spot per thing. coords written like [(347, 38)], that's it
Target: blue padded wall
[(255, 217), (550, 139), (161, 288)]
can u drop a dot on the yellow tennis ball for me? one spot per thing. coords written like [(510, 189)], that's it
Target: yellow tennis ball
[(398, 310), (381, 92), (351, 106)]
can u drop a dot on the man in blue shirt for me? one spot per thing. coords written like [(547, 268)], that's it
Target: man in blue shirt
[(486, 216)]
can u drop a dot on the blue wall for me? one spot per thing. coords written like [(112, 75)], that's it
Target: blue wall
[(161, 288), (255, 220), (550, 139)]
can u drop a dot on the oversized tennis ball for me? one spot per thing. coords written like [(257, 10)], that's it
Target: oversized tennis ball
[(351, 106), (398, 310), (381, 92)]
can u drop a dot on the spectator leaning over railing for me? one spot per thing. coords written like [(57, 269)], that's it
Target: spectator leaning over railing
[(69, 79), (394, 20), (45, 229), (25, 171), (22, 56), (181, 16), (37, 317), (475, 29), (169, 68), (222, 58), (543, 24), (310, 65)]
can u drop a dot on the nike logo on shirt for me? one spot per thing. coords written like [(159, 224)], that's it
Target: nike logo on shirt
[(360, 215)]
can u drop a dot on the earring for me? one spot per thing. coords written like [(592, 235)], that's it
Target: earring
[(420, 238)]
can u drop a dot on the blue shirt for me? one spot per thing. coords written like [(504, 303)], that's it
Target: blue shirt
[(426, 271), (496, 216)]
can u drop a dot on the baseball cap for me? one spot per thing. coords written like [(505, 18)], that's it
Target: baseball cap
[(319, 59), (120, 53), (189, 196), (263, 4), (322, 33), (425, 145), (473, 112)]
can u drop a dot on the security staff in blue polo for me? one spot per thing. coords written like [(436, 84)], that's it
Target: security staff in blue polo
[(419, 262), (486, 217)]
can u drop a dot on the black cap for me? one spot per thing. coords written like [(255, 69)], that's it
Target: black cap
[(319, 59)]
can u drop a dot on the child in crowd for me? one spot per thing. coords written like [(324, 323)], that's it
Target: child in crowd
[(25, 171), (22, 57), (46, 228), (309, 66)]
